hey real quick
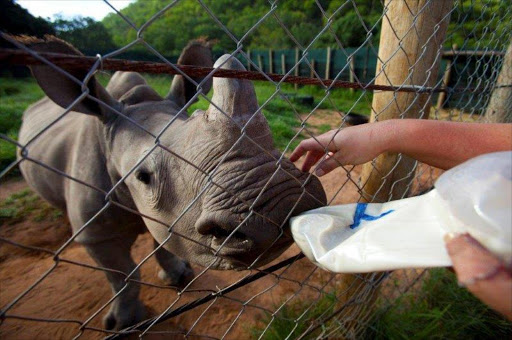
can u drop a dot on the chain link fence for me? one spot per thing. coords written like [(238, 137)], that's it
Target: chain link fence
[(223, 195)]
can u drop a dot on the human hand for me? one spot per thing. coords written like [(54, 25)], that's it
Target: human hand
[(352, 145), (481, 272)]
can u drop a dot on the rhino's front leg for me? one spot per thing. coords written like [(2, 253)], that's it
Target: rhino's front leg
[(175, 271), (126, 309)]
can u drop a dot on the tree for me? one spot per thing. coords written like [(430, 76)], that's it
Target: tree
[(14, 19), (86, 34), (479, 25), (473, 23)]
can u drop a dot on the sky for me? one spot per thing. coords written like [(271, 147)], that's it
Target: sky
[(96, 9)]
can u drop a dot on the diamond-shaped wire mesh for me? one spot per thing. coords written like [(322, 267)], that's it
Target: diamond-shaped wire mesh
[(221, 194)]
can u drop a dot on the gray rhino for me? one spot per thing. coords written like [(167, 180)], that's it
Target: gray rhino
[(214, 177)]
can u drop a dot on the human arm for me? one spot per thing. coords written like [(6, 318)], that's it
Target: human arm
[(440, 144)]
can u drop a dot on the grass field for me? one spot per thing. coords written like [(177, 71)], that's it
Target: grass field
[(15, 96), (283, 116)]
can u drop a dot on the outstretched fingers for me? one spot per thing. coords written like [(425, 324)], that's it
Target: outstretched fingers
[(311, 159), (315, 149), (305, 146), (328, 165)]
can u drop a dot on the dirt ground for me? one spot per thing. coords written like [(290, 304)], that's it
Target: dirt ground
[(73, 293)]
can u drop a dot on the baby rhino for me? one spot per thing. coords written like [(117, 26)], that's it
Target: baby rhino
[(210, 188)]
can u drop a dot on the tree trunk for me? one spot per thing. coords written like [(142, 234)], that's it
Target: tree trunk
[(499, 109), (410, 49)]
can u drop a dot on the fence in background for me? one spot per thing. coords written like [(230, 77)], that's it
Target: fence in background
[(350, 63), (409, 60)]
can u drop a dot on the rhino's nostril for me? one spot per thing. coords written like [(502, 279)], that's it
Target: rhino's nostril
[(212, 228), (220, 234)]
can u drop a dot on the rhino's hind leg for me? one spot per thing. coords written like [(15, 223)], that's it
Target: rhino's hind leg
[(175, 271), (126, 309)]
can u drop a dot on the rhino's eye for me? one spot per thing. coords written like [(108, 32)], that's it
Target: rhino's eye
[(144, 177)]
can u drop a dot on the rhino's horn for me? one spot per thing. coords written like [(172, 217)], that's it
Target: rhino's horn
[(235, 97)]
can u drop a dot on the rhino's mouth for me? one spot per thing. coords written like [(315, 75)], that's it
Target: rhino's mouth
[(239, 252)]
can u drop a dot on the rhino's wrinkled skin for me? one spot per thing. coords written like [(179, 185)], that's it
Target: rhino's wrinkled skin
[(96, 146)]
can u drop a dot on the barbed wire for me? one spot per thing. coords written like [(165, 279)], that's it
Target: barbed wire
[(17, 57)]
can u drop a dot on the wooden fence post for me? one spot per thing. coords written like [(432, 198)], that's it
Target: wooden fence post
[(270, 61), (312, 69), (499, 109), (283, 63), (328, 63), (446, 80), (260, 63), (405, 55), (352, 69)]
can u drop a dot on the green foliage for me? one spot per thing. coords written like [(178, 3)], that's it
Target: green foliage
[(86, 34), (439, 310), (351, 27), (474, 24), (480, 25), (189, 20)]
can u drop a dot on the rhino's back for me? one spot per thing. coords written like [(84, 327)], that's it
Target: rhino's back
[(52, 141), (39, 116)]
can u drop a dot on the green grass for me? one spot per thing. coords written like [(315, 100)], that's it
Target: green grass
[(323, 128), (439, 309), (15, 96), (26, 204), (291, 321)]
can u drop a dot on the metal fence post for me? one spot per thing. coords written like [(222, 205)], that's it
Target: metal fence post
[(406, 57)]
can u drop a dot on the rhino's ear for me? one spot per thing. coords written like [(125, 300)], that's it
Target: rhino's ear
[(197, 53), (60, 88)]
